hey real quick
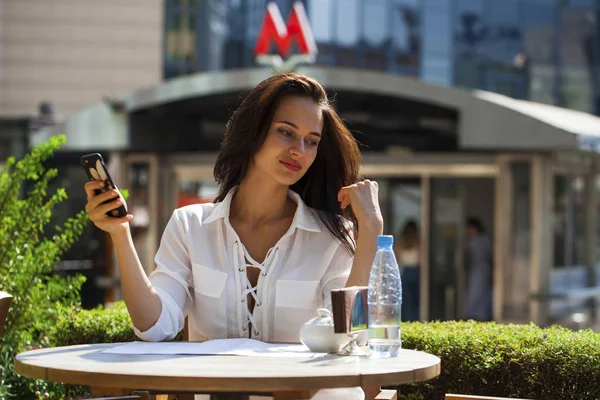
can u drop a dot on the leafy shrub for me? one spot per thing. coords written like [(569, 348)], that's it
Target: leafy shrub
[(28, 252), (522, 361), (100, 325)]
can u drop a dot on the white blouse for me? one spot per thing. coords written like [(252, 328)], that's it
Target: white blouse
[(201, 273)]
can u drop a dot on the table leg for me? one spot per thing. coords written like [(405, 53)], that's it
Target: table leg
[(294, 394), (376, 393), (387, 395)]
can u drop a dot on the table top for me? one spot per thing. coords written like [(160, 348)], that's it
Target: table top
[(88, 365)]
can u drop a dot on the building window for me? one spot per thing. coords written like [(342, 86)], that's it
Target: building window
[(375, 30), (405, 36), (577, 28), (347, 22), (180, 43), (320, 15), (436, 65), (490, 47), (539, 27)]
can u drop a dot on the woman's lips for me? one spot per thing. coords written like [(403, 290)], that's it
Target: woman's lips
[(291, 165)]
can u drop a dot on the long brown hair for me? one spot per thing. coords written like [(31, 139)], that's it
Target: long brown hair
[(336, 165)]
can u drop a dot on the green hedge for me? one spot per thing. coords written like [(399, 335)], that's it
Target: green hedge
[(522, 361), (100, 325)]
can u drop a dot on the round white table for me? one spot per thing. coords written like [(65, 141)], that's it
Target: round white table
[(116, 373)]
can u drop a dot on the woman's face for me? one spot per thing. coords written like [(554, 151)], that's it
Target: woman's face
[(292, 141)]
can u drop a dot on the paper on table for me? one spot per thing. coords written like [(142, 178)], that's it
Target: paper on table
[(240, 347)]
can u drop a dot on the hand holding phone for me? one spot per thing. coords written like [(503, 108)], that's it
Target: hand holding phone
[(96, 170)]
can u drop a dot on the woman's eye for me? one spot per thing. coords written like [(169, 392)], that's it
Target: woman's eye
[(285, 132), (312, 142)]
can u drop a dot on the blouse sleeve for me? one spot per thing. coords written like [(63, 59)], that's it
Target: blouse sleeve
[(171, 280), (337, 274)]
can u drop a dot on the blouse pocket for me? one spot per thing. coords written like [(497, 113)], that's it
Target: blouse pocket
[(297, 294), (209, 311), (295, 303), (207, 281)]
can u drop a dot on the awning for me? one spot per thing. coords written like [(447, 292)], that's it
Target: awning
[(486, 121), (586, 127)]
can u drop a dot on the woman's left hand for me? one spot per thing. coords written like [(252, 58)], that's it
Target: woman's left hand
[(364, 199)]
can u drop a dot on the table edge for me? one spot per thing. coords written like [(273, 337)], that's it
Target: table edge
[(258, 384)]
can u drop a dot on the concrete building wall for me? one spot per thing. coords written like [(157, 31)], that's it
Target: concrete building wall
[(73, 53)]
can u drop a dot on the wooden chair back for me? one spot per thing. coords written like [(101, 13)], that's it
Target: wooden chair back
[(471, 397), (5, 300), (117, 398)]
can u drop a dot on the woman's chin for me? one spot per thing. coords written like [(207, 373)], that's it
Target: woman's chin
[(289, 179)]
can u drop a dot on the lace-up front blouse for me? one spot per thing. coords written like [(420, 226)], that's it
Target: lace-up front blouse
[(202, 273)]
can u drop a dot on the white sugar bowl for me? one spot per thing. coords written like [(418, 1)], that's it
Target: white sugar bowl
[(318, 334)]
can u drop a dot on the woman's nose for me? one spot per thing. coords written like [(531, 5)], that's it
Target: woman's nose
[(298, 147)]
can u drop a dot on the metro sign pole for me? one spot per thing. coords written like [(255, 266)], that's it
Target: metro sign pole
[(275, 30)]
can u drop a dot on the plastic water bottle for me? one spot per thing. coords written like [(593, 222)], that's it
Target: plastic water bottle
[(385, 301)]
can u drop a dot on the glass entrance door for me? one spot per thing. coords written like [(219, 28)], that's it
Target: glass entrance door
[(445, 241), (453, 202)]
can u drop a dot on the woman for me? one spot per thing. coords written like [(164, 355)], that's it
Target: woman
[(407, 253), (281, 234)]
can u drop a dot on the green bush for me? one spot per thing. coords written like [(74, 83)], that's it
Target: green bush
[(100, 325), (28, 252), (522, 361), (492, 359), (78, 326)]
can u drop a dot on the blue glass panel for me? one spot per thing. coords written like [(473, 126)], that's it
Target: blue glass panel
[(437, 34), (469, 27), (375, 22), (504, 38), (405, 28), (582, 3), (405, 36), (577, 57), (347, 22), (413, 4), (541, 77), (576, 91), (539, 27), (438, 5), (320, 15), (578, 25), (436, 69)]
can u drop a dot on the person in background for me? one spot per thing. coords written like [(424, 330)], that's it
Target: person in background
[(407, 253), (479, 271)]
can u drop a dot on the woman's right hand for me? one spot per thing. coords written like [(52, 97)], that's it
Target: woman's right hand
[(97, 211)]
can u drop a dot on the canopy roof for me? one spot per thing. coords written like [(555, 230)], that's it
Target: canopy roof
[(476, 120)]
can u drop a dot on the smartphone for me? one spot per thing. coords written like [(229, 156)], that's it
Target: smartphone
[(96, 171)]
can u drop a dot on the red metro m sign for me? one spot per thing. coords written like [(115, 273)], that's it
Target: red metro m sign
[(275, 30)]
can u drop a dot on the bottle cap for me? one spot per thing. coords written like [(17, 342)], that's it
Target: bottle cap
[(385, 240)]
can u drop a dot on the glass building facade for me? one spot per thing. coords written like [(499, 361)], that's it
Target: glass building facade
[(541, 50)]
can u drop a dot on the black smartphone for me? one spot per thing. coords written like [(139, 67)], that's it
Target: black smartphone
[(96, 171)]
